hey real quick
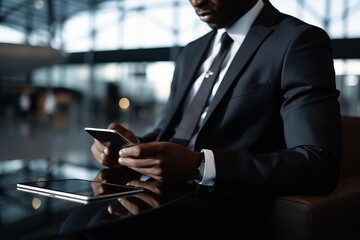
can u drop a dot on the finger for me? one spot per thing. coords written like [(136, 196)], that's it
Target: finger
[(134, 204), (104, 156), (118, 209), (96, 152), (150, 172), (149, 198), (142, 151), (147, 165), (153, 186), (97, 148)]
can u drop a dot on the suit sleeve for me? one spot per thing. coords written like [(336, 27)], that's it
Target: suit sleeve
[(311, 119)]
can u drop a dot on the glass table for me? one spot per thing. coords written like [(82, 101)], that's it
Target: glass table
[(31, 216)]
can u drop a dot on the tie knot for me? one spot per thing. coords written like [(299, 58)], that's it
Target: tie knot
[(226, 40)]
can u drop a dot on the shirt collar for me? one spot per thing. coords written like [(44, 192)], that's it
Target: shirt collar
[(239, 29)]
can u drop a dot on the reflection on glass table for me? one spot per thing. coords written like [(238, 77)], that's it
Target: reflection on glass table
[(27, 215)]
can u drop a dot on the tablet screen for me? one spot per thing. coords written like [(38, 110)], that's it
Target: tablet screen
[(78, 190)]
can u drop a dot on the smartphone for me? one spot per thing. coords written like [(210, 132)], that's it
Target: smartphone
[(110, 138)]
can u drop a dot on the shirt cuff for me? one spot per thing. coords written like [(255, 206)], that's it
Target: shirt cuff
[(209, 173)]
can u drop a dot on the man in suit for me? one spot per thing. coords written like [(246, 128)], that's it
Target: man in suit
[(272, 123)]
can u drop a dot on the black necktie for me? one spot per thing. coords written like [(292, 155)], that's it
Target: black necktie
[(192, 113)]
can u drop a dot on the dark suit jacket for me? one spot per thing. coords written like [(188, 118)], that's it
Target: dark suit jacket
[(274, 123)]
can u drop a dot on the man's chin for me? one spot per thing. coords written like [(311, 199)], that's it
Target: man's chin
[(215, 26)]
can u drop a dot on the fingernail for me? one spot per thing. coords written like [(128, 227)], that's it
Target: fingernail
[(106, 151)]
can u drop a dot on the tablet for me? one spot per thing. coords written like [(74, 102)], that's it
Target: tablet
[(77, 190)]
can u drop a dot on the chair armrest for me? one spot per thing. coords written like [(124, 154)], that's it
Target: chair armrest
[(334, 216)]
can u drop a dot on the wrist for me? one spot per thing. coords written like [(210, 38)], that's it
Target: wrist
[(201, 158), (201, 166)]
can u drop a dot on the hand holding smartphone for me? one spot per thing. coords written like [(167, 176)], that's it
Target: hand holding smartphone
[(110, 138)]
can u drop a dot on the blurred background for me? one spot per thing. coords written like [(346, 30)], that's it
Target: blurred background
[(70, 64)]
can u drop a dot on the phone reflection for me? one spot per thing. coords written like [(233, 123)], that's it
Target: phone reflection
[(102, 212)]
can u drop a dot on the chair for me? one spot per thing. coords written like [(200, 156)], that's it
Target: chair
[(334, 216)]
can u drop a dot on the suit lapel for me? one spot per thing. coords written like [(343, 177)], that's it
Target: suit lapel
[(192, 64), (262, 27)]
